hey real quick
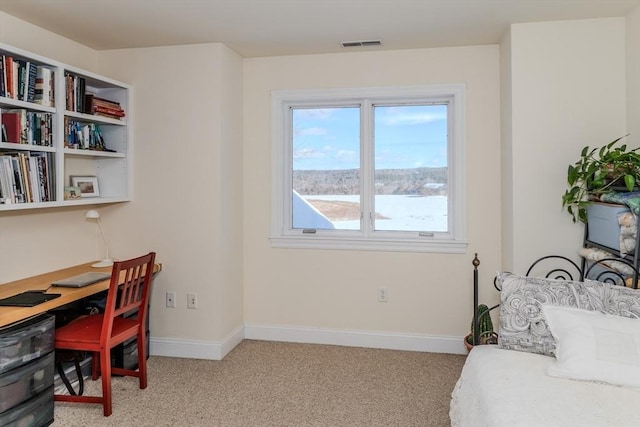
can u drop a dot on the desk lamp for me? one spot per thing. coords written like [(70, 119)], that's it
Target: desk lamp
[(106, 262)]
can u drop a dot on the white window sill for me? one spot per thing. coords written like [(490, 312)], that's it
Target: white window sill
[(369, 244)]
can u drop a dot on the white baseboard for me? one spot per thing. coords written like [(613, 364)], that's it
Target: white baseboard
[(356, 338), (348, 338), (195, 349)]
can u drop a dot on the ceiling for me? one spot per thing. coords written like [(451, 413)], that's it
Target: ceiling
[(291, 27)]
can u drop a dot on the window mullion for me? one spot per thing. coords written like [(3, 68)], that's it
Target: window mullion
[(367, 167)]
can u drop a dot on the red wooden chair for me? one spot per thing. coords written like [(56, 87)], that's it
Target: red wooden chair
[(99, 333)]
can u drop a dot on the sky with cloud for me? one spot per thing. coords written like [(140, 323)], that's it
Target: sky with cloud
[(406, 136)]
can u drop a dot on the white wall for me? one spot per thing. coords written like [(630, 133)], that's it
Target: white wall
[(317, 295), (187, 183), (633, 76), (18, 33), (567, 90)]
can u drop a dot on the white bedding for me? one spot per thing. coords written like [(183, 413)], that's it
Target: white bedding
[(508, 388)]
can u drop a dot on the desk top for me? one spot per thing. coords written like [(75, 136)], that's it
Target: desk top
[(10, 315)]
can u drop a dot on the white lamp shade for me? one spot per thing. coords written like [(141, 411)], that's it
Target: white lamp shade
[(92, 214)]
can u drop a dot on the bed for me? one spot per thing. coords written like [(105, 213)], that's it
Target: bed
[(568, 353)]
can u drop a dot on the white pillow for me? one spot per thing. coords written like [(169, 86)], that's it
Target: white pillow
[(594, 346)]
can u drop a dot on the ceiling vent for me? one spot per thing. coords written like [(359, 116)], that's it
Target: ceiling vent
[(361, 43)]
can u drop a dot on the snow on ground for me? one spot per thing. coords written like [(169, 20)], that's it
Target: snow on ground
[(405, 213)]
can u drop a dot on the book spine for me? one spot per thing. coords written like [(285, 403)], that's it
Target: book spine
[(8, 69), (44, 86), (3, 77), (31, 83), (22, 78)]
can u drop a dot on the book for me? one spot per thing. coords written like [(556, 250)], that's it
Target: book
[(21, 79), (15, 79), (12, 126), (108, 111), (31, 82), (3, 77), (44, 94), (105, 101), (8, 71)]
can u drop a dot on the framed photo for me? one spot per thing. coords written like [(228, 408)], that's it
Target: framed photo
[(71, 193), (88, 185)]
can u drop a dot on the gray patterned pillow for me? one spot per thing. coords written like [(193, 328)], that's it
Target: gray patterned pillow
[(522, 325)]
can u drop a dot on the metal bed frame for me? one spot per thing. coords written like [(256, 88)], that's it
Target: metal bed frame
[(566, 270)]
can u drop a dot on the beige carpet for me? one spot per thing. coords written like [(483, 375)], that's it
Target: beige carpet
[(264, 383)]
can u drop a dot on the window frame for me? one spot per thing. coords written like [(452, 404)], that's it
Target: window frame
[(282, 233)]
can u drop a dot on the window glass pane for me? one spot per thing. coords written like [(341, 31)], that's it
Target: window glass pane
[(410, 178), (326, 168)]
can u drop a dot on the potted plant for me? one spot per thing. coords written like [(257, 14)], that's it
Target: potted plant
[(598, 171), (486, 335)]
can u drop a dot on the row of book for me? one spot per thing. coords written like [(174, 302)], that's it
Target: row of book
[(81, 101), (22, 126), (27, 177), (87, 136), (26, 81)]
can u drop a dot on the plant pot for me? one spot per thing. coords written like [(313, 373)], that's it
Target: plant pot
[(488, 337), (468, 346)]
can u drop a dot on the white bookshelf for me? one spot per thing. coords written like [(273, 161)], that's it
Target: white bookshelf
[(112, 168)]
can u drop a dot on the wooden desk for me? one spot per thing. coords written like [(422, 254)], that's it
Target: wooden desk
[(10, 315)]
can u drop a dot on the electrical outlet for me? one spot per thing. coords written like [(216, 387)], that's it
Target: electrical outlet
[(192, 300), (171, 299), (383, 294)]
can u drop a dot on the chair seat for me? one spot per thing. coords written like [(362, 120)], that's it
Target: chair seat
[(86, 331)]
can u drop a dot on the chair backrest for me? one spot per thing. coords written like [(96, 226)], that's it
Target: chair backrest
[(129, 290)]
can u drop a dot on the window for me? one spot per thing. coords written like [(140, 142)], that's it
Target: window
[(369, 168)]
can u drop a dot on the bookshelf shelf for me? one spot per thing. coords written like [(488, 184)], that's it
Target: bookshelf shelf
[(93, 153), (89, 118), (10, 146), (60, 121)]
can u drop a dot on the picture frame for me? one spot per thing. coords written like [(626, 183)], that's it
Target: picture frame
[(72, 193), (88, 185)]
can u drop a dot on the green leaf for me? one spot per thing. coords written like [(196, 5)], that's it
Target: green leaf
[(572, 175), (630, 182)]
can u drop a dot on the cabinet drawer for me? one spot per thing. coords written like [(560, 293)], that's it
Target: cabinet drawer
[(22, 383), (25, 341), (36, 412)]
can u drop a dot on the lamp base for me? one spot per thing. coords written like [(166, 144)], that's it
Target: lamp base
[(107, 262)]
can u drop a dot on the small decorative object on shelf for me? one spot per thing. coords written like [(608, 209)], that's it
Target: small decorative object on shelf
[(88, 185), (72, 193)]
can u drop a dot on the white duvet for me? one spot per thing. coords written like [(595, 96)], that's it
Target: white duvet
[(507, 388)]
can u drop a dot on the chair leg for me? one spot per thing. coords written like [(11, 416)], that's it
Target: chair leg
[(142, 358), (95, 366), (105, 367)]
